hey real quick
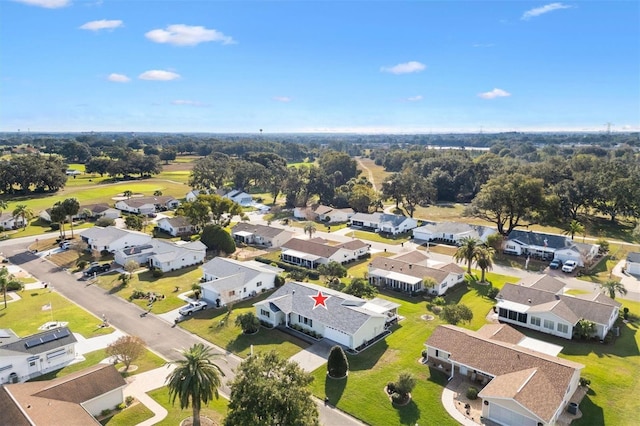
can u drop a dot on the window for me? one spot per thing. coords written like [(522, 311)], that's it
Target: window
[(522, 318), (232, 293), (32, 363), (265, 313), (502, 312), (548, 324), (513, 315), (563, 328), (259, 284), (244, 290), (535, 321)]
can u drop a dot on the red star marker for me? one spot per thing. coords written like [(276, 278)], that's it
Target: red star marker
[(320, 300)]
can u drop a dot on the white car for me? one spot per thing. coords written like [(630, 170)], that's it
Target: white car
[(187, 310), (569, 266)]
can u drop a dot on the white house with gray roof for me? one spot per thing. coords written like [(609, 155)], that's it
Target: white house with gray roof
[(383, 222), (538, 303), (523, 387), (409, 272), (164, 255), (146, 205), (228, 280), (113, 239), (451, 232), (633, 263), (9, 221), (260, 235), (24, 358), (549, 246), (176, 226), (347, 320)]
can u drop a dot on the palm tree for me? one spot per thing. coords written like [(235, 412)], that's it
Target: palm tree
[(58, 215), (71, 207), (612, 287), (157, 193), (466, 251), (3, 206), (484, 259), (23, 211), (127, 194), (309, 228), (574, 228), (7, 280), (195, 380)]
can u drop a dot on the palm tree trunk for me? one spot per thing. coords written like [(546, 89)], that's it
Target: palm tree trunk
[(469, 266), (482, 276), (4, 291), (24, 222), (71, 224), (196, 413)]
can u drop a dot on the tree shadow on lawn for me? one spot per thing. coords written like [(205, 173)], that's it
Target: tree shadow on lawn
[(409, 414), (334, 388), (369, 357), (242, 343)]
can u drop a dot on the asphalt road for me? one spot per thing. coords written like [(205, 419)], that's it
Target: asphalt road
[(161, 337)]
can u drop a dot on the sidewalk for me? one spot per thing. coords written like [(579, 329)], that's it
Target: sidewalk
[(138, 386)]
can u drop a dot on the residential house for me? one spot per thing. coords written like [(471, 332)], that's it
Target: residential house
[(72, 400), (383, 222), (146, 205), (549, 246), (8, 221), (239, 197), (311, 253), (164, 255), (408, 272), (346, 320), (451, 232), (323, 213), (260, 235), (524, 387), (176, 226), (112, 239), (538, 303), (227, 280), (24, 358), (89, 211), (193, 194), (633, 263)]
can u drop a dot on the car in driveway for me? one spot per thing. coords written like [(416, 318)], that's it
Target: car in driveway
[(555, 264), (192, 307), (569, 266), (96, 268)]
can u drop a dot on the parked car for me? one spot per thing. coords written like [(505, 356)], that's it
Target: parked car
[(555, 264), (192, 307), (569, 266), (65, 245), (96, 268)]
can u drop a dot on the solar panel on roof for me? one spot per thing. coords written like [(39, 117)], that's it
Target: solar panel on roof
[(62, 333), (48, 338), (32, 342)]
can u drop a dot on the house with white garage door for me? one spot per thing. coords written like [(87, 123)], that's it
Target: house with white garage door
[(317, 251), (633, 263), (342, 318), (522, 386)]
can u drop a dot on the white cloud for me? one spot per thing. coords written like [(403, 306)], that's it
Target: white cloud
[(49, 4), (414, 98), (405, 68), (282, 98), (118, 78), (495, 93), (187, 102), (532, 13), (102, 24), (158, 75), (187, 35)]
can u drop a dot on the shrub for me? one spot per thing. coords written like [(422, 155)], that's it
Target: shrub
[(157, 273), (472, 393), (105, 221), (128, 400), (492, 292), (138, 294), (398, 398), (105, 412), (439, 301), (453, 314), (14, 286), (121, 406), (82, 264), (424, 353), (337, 364), (279, 281), (248, 322), (584, 381), (405, 384), (436, 309), (391, 387), (604, 245)]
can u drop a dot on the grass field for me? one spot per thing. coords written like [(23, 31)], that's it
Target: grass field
[(133, 415), (215, 410)]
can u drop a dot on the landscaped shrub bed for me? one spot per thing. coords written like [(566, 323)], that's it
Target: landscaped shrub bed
[(314, 275)]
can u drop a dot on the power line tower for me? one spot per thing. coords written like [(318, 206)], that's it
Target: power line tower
[(608, 124)]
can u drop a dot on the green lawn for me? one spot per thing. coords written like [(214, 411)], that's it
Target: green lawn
[(26, 315), (132, 415), (148, 361), (374, 236), (215, 410), (165, 285), (215, 326)]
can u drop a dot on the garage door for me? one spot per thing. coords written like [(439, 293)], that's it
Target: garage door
[(508, 418), (337, 336), (633, 268)]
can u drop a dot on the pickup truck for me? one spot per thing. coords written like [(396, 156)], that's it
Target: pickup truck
[(569, 266), (97, 269), (192, 307)]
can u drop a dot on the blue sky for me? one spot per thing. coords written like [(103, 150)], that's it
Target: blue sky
[(319, 66)]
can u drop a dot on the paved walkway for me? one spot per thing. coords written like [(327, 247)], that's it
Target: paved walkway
[(449, 404), (138, 386), (314, 356)]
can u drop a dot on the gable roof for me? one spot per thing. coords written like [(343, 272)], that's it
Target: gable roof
[(384, 266), (543, 282), (477, 231), (379, 218), (261, 230), (502, 333), (320, 248), (105, 236), (538, 239), (11, 413), (536, 380), (64, 395), (177, 221), (413, 256), (344, 312), (633, 257), (224, 267), (141, 201)]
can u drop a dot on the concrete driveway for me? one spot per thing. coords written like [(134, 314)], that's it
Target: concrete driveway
[(314, 356)]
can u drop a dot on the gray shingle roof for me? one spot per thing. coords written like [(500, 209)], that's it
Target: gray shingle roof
[(379, 218), (40, 342), (344, 312), (225, 267), (260, 230), (633, 257), (538, 239)]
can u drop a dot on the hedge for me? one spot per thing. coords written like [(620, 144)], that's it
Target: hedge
[(314, 275)]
